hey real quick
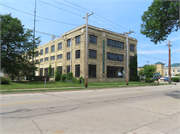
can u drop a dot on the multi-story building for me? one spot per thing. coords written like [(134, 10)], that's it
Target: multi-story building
[(106, 54), (175, 69)]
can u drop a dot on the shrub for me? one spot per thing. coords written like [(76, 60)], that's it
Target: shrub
[(149, 80), (79, 80), (4, 80), (63, 78), (69, 76), (57, 76), (175, 79), (73, 80)]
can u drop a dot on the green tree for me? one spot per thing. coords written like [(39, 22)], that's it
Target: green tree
[(160, 20), (141, 72), (133, 67), (49, 70), (16, 42), (149, 71)]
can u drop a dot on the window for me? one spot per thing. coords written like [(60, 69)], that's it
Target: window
[(47, 49), (68, 56), (46, 72), (78, 39), (77, 71), (37, 60), (41, 60), (112, 71), (41, 51), (92, 39), (47, 58), (131, 58), (178, 70), (68, 42), (115, 44), (115, 57), (59, 56), (52, 57), (41, 72), (52, 48), (92, 54), (68, 69), (92, 71), (59, 70), (77, 54), (37, 53), (59, 45), (132, 48), (173, 70), (52, 71)]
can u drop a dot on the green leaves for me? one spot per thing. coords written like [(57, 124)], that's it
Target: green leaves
[(160, 20)]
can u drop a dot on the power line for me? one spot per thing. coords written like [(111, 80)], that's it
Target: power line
[(153, 57), (39, 16)]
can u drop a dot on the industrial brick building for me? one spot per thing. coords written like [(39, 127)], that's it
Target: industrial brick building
[(107, 54)]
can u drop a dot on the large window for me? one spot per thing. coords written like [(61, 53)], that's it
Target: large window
[(78, 39), (112, 71), (92, 71), (41, 72), (41, 51), (115, 57), (115, 44), (46, 72), (52, 71), (52, 57), (92, 54), (59, 70), (68, 56), (92, 39), (47, 49), (131, 47), (41, 60), (52, 48), (68, 42), (77, 71), (77, 54), (59, 56), (131, 59), (59, 45), (47, 58), (68, 69)]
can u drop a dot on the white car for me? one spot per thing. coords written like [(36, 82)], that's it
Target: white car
[(162, 78)]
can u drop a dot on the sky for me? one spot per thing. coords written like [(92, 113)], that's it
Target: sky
[(59, 16)]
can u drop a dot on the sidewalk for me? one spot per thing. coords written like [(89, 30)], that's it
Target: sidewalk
[(167, 125)]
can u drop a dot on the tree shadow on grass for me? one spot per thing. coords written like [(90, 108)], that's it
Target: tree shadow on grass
[(174, 94)]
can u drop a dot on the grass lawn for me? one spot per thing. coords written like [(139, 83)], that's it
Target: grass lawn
[(28, 86)]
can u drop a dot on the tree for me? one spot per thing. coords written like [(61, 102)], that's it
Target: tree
[(133, 69), (141, 72), (149, 71), (49, 70), (16, 42), (160, 20)]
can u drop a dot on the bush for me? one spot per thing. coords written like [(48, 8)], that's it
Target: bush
[(57, 76), (79, 80), (69, 76), (63, 78), (175, 79), (149, 80), (73, 80), (134, 78), (4, 80)]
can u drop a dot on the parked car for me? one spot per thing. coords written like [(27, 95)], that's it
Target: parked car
[(155, 78), (166, 79), (162, 78)]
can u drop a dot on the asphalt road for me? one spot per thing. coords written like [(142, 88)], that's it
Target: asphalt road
[(135, 110)]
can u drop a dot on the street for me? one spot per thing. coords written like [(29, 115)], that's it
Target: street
[(132, 110)]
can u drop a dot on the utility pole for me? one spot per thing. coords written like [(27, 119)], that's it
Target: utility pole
[(34, 37), (127, 72), (169, 45), (86, 77)]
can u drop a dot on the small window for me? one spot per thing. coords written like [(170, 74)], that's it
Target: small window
[(41, 60), (92, 54), (41, 51), (92, 39), (59, 70), (37, 53), (77, 69), (68, 56), (47, 58), (173, 70), (52, 57), (78, 39), (37, 61), (178, 70), (59, 45), (92, 71), (68, 69), (131, 58), (68, 42), (52, 48), (132, 48), (59, 56), (41, 72), (47, 49), (77, 54)]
